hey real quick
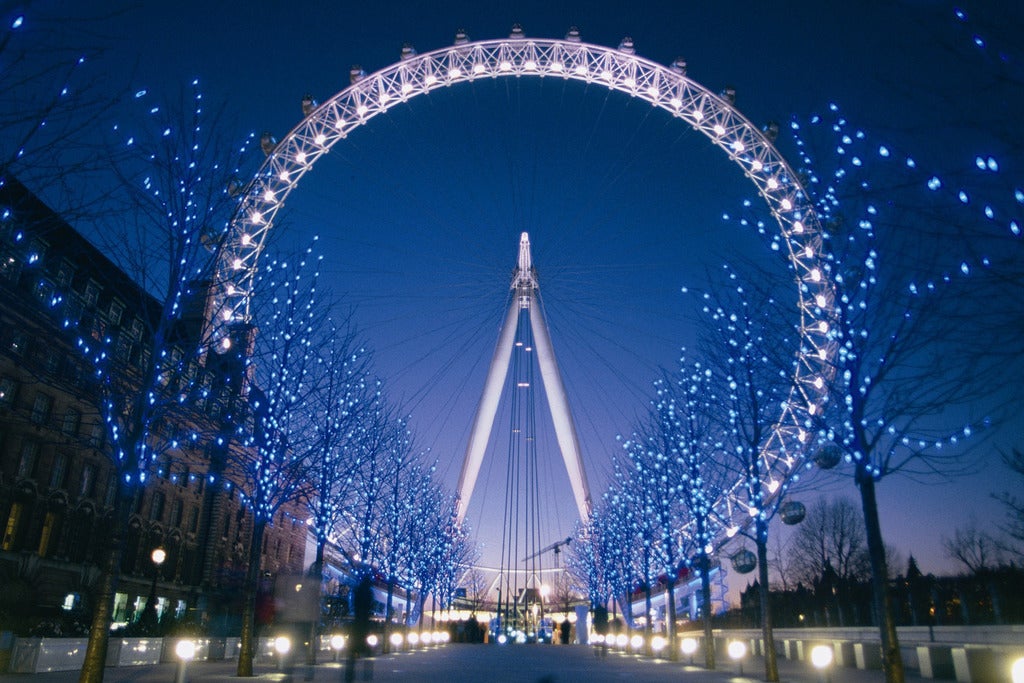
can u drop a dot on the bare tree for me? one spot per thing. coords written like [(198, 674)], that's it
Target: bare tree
[(834, 533), (278, 436), (902, 309), (1014, 526), (685, 410), (53, 100), (831, 540), (977, 550), (169, 212), (749, 347)]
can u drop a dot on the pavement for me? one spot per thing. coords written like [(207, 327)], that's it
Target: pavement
[(484, 664)]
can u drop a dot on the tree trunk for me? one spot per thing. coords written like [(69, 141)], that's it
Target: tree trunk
[(705, 592), (247, 649), (99, 629), (771, 667), (670, 618), (388, 614), (881, 599), (647, 618), (316, 572)]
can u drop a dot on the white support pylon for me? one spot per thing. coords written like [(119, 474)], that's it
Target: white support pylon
[(525, 288)]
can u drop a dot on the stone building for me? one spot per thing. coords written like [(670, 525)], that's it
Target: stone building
[(56, 476)]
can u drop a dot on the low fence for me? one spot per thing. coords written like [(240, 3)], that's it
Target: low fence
[(982, 654), (39, 655)]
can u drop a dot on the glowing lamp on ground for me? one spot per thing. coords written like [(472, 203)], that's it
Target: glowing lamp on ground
[(396, 639), (688, 647), (185, 650), (413, 638), (658, 643), (1017, 671), (597, 639), (821, 657), (372, 640), (737, 651), (337, 642), (621, 640), (282, 645), (636, 642), (502, 639)]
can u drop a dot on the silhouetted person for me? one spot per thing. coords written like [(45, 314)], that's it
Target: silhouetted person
[(362, 608)]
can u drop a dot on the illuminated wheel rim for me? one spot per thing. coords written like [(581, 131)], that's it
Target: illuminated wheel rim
[(668, 88)]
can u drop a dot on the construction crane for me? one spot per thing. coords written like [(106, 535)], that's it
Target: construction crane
[(556, 547)]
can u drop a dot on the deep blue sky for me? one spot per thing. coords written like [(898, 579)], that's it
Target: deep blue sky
[(420, 211)]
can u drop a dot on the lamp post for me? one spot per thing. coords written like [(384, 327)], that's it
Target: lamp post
[(821, 659), (149, 616), (737, 651), (186, 651)]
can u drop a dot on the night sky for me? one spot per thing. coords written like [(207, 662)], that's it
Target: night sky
[(420, 210)]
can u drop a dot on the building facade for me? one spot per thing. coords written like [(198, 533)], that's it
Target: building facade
[(57, 479)]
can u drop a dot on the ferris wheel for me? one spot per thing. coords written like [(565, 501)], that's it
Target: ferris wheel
[(693, 106)]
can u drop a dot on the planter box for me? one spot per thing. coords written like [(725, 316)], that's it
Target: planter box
[(38, 655), (134, 651)]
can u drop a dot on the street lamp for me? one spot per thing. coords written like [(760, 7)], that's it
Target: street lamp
[(737, 651), (821, 658), (337, 643), (689, 646), (186, 651), (1017, 671), (149, 616)]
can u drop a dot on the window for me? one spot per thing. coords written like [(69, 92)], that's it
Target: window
[(10, 267), (11, 528), (87, 484), (71, 601), (123, 350), (74, 312), (64, 275), (96, 435), (193, 520), (52, 361), (50, 522), (175, 516), (59, 472), (19, 342), (37, 252), (92, 294), (69, 426), (41, 409), (27, 459), (8, 389), (136, 329), (108, 498), (116, 312), (156, 508), (44, 292)]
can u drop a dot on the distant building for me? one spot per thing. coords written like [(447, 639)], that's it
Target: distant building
[(55, 473), (688, 599)]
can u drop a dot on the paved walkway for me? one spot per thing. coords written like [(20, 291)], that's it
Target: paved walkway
[(485, 664)]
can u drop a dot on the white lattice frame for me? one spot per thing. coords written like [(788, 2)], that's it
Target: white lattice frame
[(663, 87)]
